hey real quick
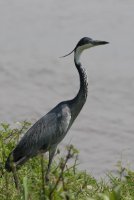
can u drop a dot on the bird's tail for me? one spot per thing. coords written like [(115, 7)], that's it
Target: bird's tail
[(8, 164), (11, 162)]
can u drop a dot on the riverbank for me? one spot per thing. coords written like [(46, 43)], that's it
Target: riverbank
[(66, 182)]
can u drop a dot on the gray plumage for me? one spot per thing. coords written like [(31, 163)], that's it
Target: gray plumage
[(49, 131)]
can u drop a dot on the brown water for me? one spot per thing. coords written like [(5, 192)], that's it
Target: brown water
[(33, 79)]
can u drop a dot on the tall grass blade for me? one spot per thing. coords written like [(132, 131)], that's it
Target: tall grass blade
[(25, 187)]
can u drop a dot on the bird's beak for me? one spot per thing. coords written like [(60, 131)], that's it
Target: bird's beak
[(99, 42)]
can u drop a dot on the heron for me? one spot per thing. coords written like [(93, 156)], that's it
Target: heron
[(45, 135)]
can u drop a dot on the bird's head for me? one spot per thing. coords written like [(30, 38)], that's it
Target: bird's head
[(85, 43)]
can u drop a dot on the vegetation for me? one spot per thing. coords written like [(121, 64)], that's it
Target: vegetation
[(66, 182)]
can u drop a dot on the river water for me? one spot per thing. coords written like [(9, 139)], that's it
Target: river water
[(33, 79)]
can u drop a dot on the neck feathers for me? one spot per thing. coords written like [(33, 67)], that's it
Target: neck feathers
[(83, 91), (80, 99)]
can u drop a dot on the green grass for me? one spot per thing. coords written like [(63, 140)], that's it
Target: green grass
[(66, 182)]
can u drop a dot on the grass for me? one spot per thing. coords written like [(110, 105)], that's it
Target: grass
[(66, 182)]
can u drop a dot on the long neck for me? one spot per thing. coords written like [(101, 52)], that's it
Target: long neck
[(77, 103)]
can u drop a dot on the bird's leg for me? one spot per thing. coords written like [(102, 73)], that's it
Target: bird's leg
[(51, 155), (43, 174)]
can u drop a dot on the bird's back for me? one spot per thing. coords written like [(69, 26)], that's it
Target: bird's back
[(43, 135)]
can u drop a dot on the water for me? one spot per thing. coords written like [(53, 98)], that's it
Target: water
[(33, 79)]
